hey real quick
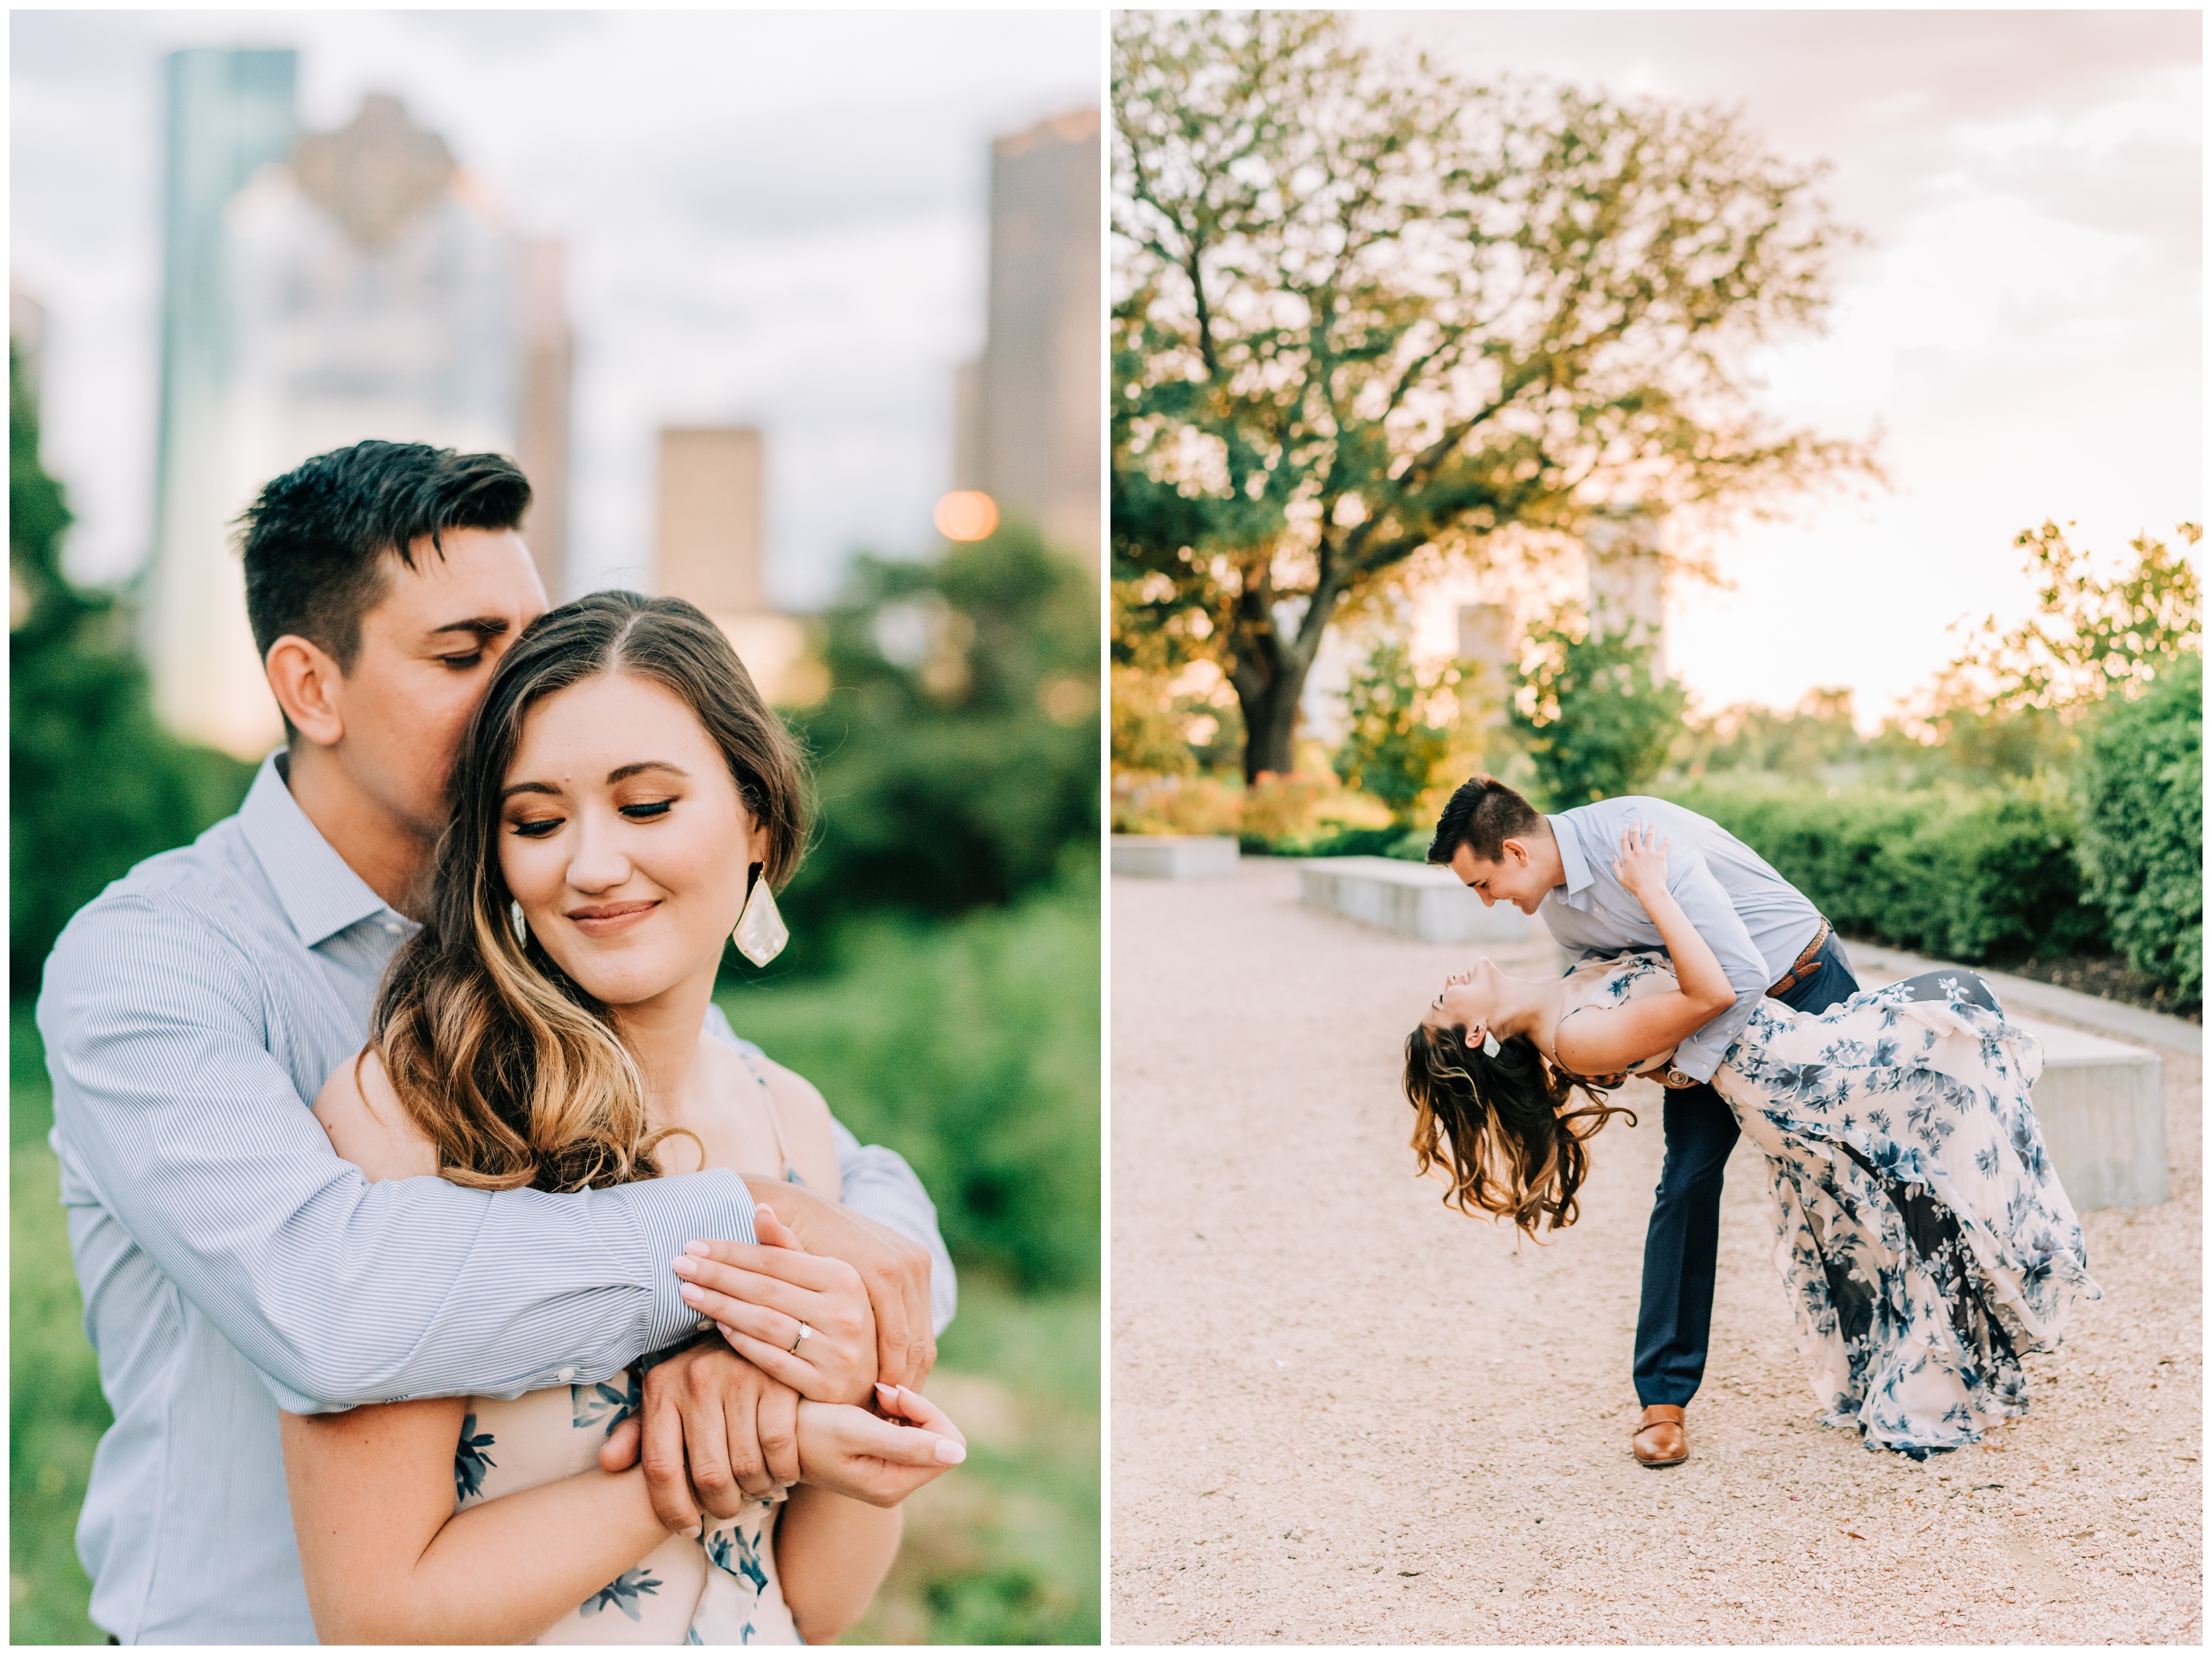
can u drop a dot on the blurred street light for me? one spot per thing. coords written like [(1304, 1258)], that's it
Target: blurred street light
[(967, 515)]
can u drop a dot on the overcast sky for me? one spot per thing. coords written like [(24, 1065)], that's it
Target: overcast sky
[(2027, 323), (777, 218)]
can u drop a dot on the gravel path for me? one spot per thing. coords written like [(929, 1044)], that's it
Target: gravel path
[(1342, 1413)]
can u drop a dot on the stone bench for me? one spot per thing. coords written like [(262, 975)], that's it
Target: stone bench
[(2101, 1104), (1173, 856), (1412, 899)]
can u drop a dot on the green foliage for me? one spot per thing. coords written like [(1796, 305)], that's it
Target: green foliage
[(1962, 875), (971, 1048), (2089, 638), (1006, 1550), (96, 784), (1588, 715), (957, 753), (1396, 747), (2142, 788), (1366, 310)]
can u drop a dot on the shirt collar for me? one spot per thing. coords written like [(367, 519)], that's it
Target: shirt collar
[(1571, 860), (321, 895)]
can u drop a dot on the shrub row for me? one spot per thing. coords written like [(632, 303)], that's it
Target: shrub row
[(2142, 826), (1965, 876)]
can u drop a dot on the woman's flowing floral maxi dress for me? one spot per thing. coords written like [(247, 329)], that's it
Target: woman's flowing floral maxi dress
[(1921, 1232)]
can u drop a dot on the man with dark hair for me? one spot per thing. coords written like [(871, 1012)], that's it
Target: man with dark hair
[(1770, 939), (232, 1264)]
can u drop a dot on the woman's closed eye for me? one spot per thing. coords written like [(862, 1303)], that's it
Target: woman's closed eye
[(645, 812), (464, 663), (538, 827)]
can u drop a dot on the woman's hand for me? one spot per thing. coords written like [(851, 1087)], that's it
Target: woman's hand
[(1641, 868), (762, 1295), (851, 1451)]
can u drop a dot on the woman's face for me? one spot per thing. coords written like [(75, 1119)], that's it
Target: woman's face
[(624, 837), (1469, 999)]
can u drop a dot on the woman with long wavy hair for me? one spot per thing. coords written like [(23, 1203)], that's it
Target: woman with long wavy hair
[(1925, 1241), (623, 800)]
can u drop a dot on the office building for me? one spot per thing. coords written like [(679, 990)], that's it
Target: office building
[(709, 546), (321, 289), (1028, 414)]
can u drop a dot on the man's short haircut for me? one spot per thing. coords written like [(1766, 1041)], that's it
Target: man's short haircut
[(315, 540), (1482, 815)]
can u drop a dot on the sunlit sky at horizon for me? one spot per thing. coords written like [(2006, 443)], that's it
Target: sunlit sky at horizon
[(774, 218), (2025, 327)]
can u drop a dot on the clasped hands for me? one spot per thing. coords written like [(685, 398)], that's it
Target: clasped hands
[(730, 1420)]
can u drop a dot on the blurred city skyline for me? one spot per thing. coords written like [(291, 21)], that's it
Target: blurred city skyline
[(743, 247), (2025, 325)]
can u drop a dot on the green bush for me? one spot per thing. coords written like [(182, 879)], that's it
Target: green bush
[(94, 783), (1967, 876), (957, 755), (972, 1048), (1599, 726), (2142, 788)]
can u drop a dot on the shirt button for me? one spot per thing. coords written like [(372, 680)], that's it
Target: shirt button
[(565, 1375)]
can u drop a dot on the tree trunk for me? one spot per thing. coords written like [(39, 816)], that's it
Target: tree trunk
[(1267, 692)]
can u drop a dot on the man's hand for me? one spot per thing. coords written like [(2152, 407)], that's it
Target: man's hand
[(716, 1431), (894, 1270)]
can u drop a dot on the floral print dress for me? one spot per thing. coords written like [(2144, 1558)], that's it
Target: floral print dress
[(1922, 1234), (718, 1587)]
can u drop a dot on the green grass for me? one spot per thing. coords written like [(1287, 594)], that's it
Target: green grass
[(973, 1048), (55, 1410)]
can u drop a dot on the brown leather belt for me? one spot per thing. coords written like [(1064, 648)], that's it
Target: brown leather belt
[(1804, 968)]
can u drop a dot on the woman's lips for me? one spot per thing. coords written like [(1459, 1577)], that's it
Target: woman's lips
[(609, 919)]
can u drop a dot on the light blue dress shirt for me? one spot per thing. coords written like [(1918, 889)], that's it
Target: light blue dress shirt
[(231, 1263), (1755, 919)]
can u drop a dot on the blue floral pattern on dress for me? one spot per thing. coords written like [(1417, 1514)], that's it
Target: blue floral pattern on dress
[(471, 1462), (623, 1593), (1920, 1230), (607, 1402)]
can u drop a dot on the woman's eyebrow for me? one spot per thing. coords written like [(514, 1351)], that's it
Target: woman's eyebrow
[(545, 787), (628, 770)]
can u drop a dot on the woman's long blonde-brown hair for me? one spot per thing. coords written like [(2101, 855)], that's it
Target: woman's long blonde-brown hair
[(511, 1068), (1502, 1125)]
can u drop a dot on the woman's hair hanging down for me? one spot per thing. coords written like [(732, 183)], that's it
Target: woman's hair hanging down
[(1515, 1148), (511, 1069)]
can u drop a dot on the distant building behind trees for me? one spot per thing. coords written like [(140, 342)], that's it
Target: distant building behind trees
[(1028, 417)]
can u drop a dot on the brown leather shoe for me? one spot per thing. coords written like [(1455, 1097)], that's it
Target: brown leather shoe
[(1661, 1439)]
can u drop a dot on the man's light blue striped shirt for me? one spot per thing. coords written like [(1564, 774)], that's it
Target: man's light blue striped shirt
[(1755, 919), (232, 1264)]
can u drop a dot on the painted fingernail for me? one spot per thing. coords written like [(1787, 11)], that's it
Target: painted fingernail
[(728, 1332), (683, 1265), (950, 1452), (889, 1393), (692, 1533), (697, 1249), (765, 1212), (691, 1295)]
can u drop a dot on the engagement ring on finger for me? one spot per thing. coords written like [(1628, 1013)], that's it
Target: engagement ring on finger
[(805, 1334)]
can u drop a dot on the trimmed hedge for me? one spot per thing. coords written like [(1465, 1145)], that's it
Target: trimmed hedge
[(2142, 826), (1962, 876)]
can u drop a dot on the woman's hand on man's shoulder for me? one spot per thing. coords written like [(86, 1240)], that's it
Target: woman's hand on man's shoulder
[(367, 1124)]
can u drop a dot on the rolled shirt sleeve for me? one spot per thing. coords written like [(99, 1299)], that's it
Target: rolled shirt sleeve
[(172, 1109), (1715, 919)]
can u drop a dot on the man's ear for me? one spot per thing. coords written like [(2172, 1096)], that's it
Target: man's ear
[(306, 684), (1516, 849)]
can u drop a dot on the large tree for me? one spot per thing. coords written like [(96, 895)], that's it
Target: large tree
[(1363, 309)]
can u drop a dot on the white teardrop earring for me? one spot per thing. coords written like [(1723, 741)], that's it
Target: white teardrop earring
[(1489, 1044), (521, 925), (760, 933)]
